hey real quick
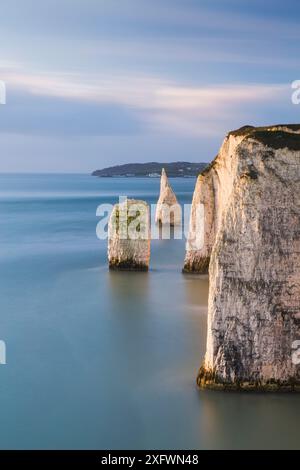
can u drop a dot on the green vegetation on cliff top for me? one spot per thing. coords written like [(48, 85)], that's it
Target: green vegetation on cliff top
[(276, 137)]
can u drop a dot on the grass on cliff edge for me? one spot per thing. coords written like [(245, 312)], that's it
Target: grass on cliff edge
[(272, 136)]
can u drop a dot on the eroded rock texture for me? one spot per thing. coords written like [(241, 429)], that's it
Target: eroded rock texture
[(168, 211), (251, 193), (129, 236)]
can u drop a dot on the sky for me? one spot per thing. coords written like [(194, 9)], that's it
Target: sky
[(95, 83)]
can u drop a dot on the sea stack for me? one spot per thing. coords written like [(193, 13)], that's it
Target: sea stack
[(168, 211), (251, 193), (129, 236)]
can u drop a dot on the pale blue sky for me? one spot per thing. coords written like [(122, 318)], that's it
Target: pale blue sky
[(92, 83)]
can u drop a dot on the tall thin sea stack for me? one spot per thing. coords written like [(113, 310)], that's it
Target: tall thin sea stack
[(129, 236), (252, 197), (168, 211)]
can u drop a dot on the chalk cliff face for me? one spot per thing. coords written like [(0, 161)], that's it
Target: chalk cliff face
[(129, 236), (214, 186), (211, 194), (168, 211), (251, 194)]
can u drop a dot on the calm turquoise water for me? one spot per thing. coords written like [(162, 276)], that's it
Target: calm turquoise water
[(109, 360)]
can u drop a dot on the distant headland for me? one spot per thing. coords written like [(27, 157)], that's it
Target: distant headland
[(152, 170)]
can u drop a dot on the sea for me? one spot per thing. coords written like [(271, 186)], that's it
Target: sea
[(108, 360)]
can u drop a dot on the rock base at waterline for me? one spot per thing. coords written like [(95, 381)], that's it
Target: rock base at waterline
[(198, 266), (207, 379)]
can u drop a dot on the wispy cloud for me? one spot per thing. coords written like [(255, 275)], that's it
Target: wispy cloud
[(159, 77), (160, 103), (90, 17), (9, 65), (189, 50)]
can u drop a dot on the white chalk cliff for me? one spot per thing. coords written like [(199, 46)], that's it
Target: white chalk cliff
[(251, 197), (129, 236), (168, 211)]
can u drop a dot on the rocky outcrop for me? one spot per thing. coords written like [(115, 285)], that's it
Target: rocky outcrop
[(213, 187), (168, 211), (129, 236), (251, 194)]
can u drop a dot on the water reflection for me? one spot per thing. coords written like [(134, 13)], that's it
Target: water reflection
[(107, 359), (129, 289), (196, 290), (248, 420)]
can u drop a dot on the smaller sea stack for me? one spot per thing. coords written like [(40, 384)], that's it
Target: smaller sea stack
[(129, 236), (168, 211)]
